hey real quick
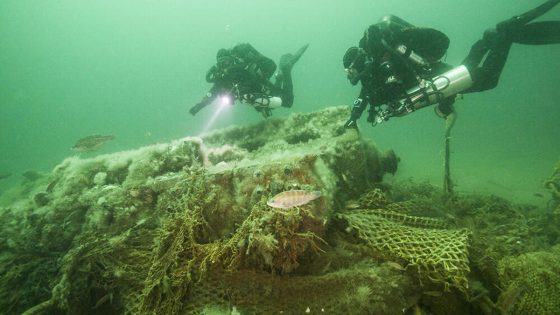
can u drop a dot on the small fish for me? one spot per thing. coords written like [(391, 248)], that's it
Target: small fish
[(5, 175), (91, 143), (293, 198)]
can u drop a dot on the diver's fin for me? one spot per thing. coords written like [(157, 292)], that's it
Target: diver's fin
[(517, 21), (300, 52), (538, 33), (287, 61)]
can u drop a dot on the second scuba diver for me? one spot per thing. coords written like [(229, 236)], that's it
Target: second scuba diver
[(400, 69), (242, 73)]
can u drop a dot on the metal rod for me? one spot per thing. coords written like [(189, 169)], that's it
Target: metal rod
[(447, 182)]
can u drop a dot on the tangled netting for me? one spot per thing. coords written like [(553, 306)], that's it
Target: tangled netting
[(248, 269), (184, 258), (177, 266), (348, 291), (531, 283), (440, 255)]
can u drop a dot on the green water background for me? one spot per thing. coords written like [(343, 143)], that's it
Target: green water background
[(132, 69)]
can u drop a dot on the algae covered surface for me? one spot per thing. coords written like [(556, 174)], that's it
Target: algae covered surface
[(184, 228)]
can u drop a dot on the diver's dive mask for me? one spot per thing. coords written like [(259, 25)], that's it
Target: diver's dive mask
[(354, 63)]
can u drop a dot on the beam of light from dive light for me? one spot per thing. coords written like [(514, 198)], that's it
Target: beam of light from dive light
[(223, 102)]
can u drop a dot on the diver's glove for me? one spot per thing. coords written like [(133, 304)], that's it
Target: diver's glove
[(351, 124), (203, 103), (196, 108), (355, 115), (353, 121), (206, 100)]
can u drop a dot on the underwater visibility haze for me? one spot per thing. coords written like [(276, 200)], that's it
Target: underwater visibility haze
[(133, 68), (114, 199)]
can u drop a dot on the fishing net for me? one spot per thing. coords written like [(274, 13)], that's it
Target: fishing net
[(530, 283), (440, 255), (361, 289), (252, 269)]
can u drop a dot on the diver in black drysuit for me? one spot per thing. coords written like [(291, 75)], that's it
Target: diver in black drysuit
[(400, 69), (242, 73), (384, 71)]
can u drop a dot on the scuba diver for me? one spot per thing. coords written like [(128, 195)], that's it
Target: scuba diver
[(242, 73), (400, 68)]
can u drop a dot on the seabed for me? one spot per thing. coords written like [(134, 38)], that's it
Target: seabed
[(184, 228)]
